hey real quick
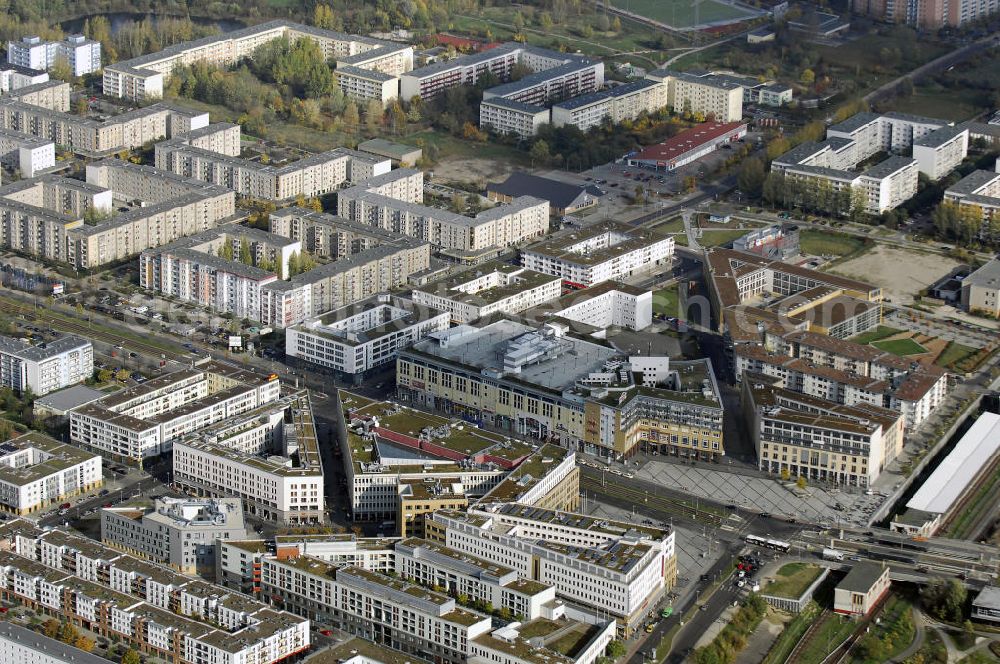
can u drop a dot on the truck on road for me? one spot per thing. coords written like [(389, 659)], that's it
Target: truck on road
[(832, 554)]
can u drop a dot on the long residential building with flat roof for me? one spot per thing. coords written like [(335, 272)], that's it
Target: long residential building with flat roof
[(153, 610), (978, 193), (143, 77), (146, 420), (602, 252), (382, 203), (363, 262), (313, 175), (543, 384), (491, 288), (705, 93), (617, 104)]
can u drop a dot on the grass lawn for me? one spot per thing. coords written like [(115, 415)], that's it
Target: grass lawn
[(468, 440), (568, 31), (820, 243), (711, 238), (792, 580), (833, 631), (666, 301), (901, 347), (450, 146), (937, 101), (675, 225), (681, 239), (681, 13), (880, 332), (953, 353), (895, 627)]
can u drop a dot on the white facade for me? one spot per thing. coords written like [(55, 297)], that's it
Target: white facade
[(603, 252), (14, 77), (393, 203), (941, 151), (145, 420), (507, 116), (494, 288), (81, 54), (604, 307), (37, 471), (273, 466), (45, 367), (551, 548), (363, 336), (142, 77)]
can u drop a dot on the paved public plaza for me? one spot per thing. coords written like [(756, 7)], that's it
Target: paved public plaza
[(816, 504)]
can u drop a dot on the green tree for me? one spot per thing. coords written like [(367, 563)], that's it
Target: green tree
[(131, 657), (226, 250), (801, 482), (293, 264), (944, 598), (80, 106), (323, 17), (616, 25), (123, 375), (61, 69), (104, 375), (751, 177), (808, 77), (245, 256), (616, 649), (539, 153)]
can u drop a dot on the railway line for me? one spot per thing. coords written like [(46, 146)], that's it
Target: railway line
[(63, 322)]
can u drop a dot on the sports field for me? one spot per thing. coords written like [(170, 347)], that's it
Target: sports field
[(682, 13)]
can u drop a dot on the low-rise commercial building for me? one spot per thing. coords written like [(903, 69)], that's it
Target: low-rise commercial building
[(47, 366), (37, 472), (986, 605), (601, 252), (862, 589), (358, 338), (178, 532), (146, 420), (563, 198), (492, 288), (688, 146)]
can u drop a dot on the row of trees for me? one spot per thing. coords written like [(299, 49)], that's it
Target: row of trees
[(725, 648), (815, 195), (67, 633)]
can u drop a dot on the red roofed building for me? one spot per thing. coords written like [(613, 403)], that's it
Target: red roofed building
[(463, 43), (688, 145)]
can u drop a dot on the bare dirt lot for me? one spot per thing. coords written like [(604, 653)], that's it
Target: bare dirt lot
[(471, 170), (899, 272)]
